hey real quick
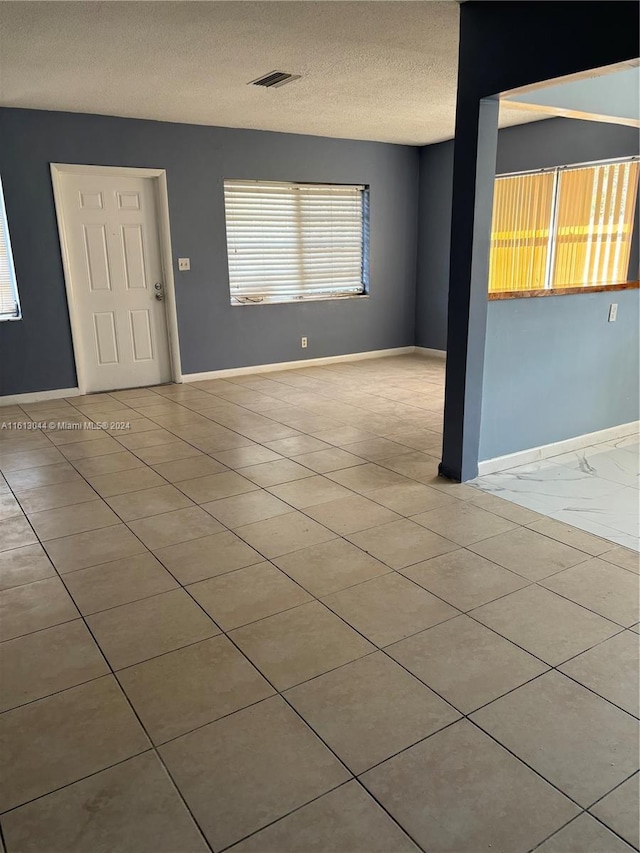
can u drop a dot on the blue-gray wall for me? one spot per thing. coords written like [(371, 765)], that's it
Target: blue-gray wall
[(36, 352), (493, 57), (555, 368), (552, 142), (434, 239)]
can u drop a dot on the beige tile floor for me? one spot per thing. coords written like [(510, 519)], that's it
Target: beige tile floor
[(255, 619)]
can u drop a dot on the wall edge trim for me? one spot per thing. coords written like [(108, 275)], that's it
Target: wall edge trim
[(38, 396), (544, 451), (292, 365)]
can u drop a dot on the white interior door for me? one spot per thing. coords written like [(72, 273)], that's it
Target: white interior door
[(114, 272)]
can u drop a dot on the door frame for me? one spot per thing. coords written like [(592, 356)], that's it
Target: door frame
[(159, 177)]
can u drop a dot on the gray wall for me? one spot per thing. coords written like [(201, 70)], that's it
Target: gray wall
[(555, 368), (493, 58), (36, 352), (552, 142), (434, 239)]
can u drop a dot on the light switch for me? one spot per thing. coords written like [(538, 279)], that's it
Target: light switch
[(184, 264), (613, 312)]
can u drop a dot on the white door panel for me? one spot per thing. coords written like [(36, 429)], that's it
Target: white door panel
[(105, 338), (114, 265), (141, 336)]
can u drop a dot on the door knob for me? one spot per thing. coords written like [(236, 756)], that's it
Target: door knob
[(158, 289)]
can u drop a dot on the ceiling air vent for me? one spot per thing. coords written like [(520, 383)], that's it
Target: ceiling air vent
[(274, 79)]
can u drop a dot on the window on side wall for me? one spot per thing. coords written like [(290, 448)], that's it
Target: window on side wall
[(9, 301), (563, 228), (289, 242)]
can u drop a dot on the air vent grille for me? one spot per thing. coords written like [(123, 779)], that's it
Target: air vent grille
[(274, 79)]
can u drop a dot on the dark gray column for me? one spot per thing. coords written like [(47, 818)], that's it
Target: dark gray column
[(474, 167), (504, 45)]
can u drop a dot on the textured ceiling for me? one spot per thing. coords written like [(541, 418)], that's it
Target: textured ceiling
[(370, 70)]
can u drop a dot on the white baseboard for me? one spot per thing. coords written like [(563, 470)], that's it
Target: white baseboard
[(38, 396), (292, 365), (431, 353), (545, 451)]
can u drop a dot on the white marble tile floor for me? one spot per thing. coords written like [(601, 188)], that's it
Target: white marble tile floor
[(596, 489)]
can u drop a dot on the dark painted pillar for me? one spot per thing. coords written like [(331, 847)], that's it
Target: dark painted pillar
[(474, 163), (504, 45)]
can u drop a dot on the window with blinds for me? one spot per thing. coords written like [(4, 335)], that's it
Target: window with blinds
[(288, 241), (565, 227), (9, 302), (520, 232), (594, 224)]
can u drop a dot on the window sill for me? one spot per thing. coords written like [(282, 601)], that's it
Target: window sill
[(306, 300), (563, 291)]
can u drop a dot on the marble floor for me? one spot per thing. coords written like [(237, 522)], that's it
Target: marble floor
[(247, 615), (596, 489)]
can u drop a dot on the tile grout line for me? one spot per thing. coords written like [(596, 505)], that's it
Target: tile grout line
[(585, 811), (277, 693), (315, 598), (156, 750), (465, 716), (136, 716), (469, 613), (395, 570), (281, 695)]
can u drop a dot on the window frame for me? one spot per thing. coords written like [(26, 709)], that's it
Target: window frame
[(4, 234), (549, 289), (327, 296)]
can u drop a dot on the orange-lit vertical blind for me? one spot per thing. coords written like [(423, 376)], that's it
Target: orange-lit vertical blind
[(594, 222), (520, 232)]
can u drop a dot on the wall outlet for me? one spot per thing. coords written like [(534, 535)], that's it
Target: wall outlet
[(613, 312), (303, 343), (184, 264)]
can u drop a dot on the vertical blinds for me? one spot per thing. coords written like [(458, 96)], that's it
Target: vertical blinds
[(594, 224), (9, 304), (568, 227), (289, 241), (520, 232)]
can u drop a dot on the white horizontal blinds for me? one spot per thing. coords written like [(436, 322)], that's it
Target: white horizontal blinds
[(594, 224), (331, 226), (520, 232), (293, 241), (9, 304)]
